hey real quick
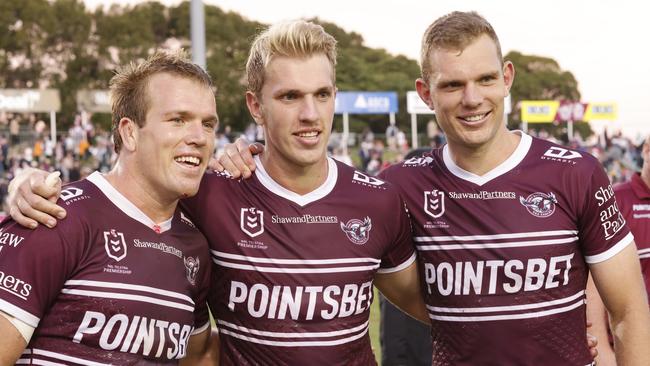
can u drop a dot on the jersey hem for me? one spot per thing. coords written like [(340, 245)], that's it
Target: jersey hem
[(398, 268), (611, 252)]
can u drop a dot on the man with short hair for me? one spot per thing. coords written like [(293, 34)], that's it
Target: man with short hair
[(124, 279), (298, 248)]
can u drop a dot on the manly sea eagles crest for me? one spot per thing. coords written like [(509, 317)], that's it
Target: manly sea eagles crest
[(357, 231), (539, 204), (191, 268)]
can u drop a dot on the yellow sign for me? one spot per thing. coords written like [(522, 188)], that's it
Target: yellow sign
[(539, 111), (601, 111)]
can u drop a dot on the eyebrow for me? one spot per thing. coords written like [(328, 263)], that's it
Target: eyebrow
[(188, 114), (302, 92)]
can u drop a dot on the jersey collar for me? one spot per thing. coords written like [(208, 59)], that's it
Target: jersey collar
[(512, 161), (125, 205), (302, 200)]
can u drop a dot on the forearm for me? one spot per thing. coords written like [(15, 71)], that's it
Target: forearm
[(203, 351), (597, 315), (631, 334)]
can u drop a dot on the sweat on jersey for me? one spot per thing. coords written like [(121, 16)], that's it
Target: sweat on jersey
[(293, 274), (103, 287), (503, 256), (633, 198)]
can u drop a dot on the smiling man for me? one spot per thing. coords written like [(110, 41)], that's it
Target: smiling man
[(124, 279), (298, 247), (507, 226)]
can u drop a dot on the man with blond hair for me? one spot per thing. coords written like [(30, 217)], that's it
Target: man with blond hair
[(297, 249), (124, 280)]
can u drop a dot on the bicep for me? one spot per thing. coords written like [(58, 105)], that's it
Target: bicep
[(12, 342), (402, 288), (619, 281)]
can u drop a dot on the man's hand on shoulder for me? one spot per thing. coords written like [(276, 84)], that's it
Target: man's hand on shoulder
[(32, 198), (237, 158)]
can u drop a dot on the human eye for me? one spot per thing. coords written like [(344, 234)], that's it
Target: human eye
[(210, 124), (324, 94), (177, 120), (289, 96)]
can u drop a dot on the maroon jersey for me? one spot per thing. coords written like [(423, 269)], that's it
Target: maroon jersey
[(633, 198), (104, 287), (292, 282), (503, 256)]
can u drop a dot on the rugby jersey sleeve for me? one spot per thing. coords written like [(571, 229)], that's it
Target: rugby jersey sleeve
[(201, 314), (601, 225), (400, 252), (34, 265)]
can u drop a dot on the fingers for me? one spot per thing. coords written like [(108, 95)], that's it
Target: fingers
[(592, 343), (33, 198), (38, 208), (21, 219)]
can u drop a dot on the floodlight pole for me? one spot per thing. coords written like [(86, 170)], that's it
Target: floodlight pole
[(197, 25)]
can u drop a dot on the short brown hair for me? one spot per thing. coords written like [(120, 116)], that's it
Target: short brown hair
[(454, 31), (128, 87), (297, 38)]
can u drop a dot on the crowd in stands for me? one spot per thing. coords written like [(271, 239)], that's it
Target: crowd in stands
[(25, 142)]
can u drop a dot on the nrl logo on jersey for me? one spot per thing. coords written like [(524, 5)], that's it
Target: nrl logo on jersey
[(434, 203), (251, 221), (357, 231), (556, 153), (367, 180), (418, 161), (191, 268), (539, 204), (115, 245)]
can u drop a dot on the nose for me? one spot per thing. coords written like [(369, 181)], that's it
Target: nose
[(308, 109), (472, 96), (196, 133)]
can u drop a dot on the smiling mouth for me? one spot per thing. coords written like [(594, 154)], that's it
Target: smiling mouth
[(307, 134), (475, 118), (188, 160)]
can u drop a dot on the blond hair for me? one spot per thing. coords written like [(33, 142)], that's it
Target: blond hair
[(454, 31), (297, 38), (128, 87)]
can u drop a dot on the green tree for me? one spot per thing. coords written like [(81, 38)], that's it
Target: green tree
[(542, 78)]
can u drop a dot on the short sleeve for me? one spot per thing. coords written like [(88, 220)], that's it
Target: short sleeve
[(34, 265), (201, 313), (602, 229), (400, 252)]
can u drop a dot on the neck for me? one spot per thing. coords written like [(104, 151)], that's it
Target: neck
[(141, 193), (297, 179), (482, 159)]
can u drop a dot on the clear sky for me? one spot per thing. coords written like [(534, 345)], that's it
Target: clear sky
[(602, 42)]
